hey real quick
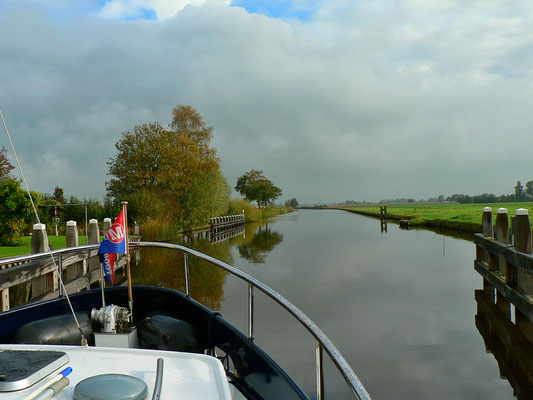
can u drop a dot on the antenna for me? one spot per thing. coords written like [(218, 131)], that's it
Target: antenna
[(49, 250)]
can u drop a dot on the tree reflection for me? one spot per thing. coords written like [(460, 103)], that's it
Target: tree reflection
[(163, 267), (262, 243)]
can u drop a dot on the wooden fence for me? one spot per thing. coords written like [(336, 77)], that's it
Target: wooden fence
[(35, 277), (503, 258), (226, 223)]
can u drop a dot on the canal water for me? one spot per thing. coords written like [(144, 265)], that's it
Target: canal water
[(399, 305)]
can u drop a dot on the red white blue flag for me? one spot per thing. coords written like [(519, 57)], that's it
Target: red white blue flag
[(114, 243)]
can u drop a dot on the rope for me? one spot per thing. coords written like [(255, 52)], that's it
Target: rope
[(49, 250)]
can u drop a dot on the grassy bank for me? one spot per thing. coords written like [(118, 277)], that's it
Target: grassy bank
[(462, 217), (57, 242)]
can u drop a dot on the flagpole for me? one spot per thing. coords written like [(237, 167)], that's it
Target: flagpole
[(130, 289), (102, 280)]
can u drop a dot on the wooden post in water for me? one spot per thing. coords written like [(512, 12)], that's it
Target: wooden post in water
[(486, 230), (39, 244), (503, 235), (522, 279), (522, 242)]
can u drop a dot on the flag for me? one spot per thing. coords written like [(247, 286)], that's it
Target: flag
[(108, 260), (114, 243)]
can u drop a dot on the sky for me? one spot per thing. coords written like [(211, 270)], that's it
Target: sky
[(334, 100)]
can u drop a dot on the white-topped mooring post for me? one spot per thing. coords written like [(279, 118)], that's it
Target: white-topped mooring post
[(73, 239), (39, 244), (39, 239), (94, 232), (522, 243), (72, 235), (502, 235), (486, 222), (93, 236), (107, 225)]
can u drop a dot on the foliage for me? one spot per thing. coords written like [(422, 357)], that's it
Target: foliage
[(208, 196), (255, 187), (5, 166), (291, 203), (15, 212), (164, 173)]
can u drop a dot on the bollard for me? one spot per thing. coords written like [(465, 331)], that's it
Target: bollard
[(135, 228), (486, 222), (524, 280), (522, 242), (78, 269), (93, 237), (72, 234), (502, 235), (93, 233), (486, 230), (39, 244), (39, 239), (107, 225)]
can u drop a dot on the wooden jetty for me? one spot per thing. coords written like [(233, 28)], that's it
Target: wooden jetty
[(35, 277), (504, 260), (226, 223)]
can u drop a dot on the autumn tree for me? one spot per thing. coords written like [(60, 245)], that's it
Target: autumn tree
[(256, 187), (162, 172), (5, 166)]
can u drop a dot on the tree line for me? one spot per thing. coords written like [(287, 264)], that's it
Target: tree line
[(521, 193), (165, 174)]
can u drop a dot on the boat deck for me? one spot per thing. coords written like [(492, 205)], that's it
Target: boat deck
[(185, 375)]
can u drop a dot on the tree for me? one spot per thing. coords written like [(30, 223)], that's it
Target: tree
[(157, 169), (255, 187), (15, 212), (291, 203), (519, 191), (529, 188), (5, 166), (59, 195)]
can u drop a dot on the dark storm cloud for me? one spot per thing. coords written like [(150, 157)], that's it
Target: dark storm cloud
[(367, 101)]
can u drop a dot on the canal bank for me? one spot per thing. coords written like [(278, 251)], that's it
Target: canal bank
[(399, 305), (449, 216)]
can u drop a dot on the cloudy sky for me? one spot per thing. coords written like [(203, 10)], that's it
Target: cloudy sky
[(333, 100)]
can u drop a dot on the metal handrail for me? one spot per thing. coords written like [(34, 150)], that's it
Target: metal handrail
[(322, 341)]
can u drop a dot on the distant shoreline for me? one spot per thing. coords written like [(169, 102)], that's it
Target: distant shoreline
[(450, 216)]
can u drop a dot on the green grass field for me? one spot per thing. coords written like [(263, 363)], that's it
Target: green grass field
[(57, 242), (466, 217)]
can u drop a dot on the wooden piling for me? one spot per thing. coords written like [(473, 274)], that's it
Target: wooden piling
[(486, 230), (93, 237), (501, 234), (107, 225), (522, 237), (76, 270), (39, 244)]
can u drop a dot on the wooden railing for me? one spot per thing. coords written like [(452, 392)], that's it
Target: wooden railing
[(226, 223), (37, 278), (503, 258)]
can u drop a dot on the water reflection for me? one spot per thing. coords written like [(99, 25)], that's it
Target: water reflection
[(226, 235), (256, 249), (161, 267), (510, 343)]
